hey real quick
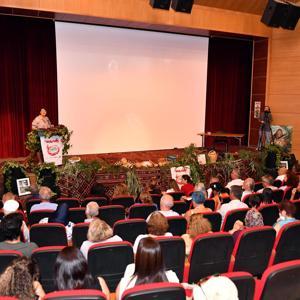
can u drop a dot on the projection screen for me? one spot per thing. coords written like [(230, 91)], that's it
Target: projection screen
[(129, 90)]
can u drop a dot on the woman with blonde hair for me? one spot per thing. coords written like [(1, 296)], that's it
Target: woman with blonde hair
[(120, 189), (145, 198), (20, 279), (99, 232), (198, 225)]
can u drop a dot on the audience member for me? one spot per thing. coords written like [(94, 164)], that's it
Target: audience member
[(173, 186), (235, 179), (154, 186), (198, 225), (45, 196), (248, 187), (166, 204), (266, 197), (253, 217), (121, 189), (295, 192), (8, 196), (198, 200), (281, 174), (98, 190), (11, 229), (292, 181), (12, 206), (145, 198), (148, 267), (20, 279), (91, 211), (267, 182), (286, 214), (216, 189), (211, 181), (157, 225), (99, 232), (188, 186), (235, 201), (200, 187), (71, 272)]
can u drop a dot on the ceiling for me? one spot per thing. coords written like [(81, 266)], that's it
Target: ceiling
[(255, 7)]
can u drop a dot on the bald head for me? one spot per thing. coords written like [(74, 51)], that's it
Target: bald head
[(249, 184), (8, 196), (45, 193), (92, 209), (166, 202)]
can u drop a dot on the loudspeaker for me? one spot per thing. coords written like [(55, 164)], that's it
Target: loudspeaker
[(162, 4), (291, 17), (183, 5), (273, 13)]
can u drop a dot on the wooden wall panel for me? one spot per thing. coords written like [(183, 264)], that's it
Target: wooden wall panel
[(284, 81)]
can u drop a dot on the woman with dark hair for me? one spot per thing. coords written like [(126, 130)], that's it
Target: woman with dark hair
[(291, 181), (286, 214), (266, 196), (71, 272), (188, 185), (20, 279), (253, 216), (149, 267)]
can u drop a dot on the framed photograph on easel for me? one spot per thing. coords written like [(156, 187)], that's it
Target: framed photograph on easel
[(23, 185)]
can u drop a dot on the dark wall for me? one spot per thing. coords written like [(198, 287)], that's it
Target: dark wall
[(228, 86), (28, 79)]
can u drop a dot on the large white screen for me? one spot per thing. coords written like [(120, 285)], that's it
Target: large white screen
[(128, 90)]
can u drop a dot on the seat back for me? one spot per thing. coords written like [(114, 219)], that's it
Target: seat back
[(278, 195), (111, 214), (30, 203), (210, 203), (110, 260), (6, 257), (270, 214), (287, 244), (258, 186), (71, 202), (210, 254), (35, 216), (156, 199), (79, 234), (102, 201), (141, 211), (77, 214), (173, 249), (176, 195), (215, 220), (128, 230), (177, 225), (244, 282), (180, 207), (125, 201), (50, 234), (281, 280), (253, 249), (287, 193), (158, 291), (232, 216), (46, 258), (84, 294)]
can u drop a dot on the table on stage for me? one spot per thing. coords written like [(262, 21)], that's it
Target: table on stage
[(237, 136)]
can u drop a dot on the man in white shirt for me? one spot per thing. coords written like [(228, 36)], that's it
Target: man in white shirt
[(267, 182), (235, 203), (166, 203), (45, 196), (248, 187), (235, 179)]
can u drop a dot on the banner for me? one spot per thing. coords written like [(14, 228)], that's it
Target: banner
[(52, 149)]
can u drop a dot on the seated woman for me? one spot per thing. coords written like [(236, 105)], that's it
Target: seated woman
[(216, 190), (157, 225), (71, 272), (266, 197), (148, 268), (198, 225), (173, 187), (198, 200), (145, 198), (286, 214), (20, 279), (120, 189), (153, 187), (188, 185), (99, 232), (292, 181)]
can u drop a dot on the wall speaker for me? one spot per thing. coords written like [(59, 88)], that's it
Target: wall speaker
[(273, 13), (290, 17), (162, 4), (183, 5)]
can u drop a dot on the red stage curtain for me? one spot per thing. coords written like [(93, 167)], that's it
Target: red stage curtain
[(28, 79), (228, 86)]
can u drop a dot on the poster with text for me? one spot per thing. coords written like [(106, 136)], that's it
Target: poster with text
[(52, 149)]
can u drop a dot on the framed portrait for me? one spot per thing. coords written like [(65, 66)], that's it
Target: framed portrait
[(23, 185), (284, 164)]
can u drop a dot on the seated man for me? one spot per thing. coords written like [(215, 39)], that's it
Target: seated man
[(91, 211), (45, 196), (166, 204), (235, 201), (235, 179), (248, 187), (11, 229), (267, 182)]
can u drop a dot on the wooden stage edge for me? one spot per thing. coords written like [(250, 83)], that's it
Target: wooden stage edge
[(153, 155)]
